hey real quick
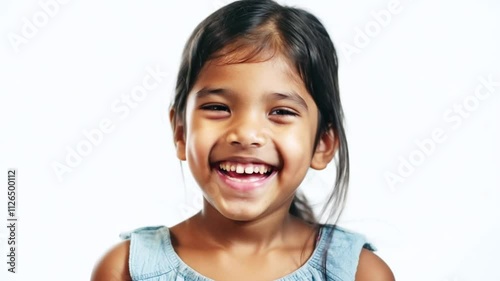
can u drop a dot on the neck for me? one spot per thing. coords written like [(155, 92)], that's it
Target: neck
[(265, 232)]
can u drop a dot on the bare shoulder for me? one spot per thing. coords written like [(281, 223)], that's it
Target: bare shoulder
[(372, 268), (114, 264)]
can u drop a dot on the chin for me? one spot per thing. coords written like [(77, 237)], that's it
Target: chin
[(240, 214)]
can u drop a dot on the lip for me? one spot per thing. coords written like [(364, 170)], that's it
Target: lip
[(245, 186)]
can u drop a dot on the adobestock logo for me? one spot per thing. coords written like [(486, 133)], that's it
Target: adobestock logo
[(454, 117), (189, 208), (30, 27), (121, 108), (364, 36)]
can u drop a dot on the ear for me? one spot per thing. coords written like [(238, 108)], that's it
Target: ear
[(178, 132), (325, 150)]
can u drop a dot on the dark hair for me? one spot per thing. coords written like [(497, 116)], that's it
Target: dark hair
[(257, 27)]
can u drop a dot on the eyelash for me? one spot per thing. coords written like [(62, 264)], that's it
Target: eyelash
[(284, 112), (215, 107), (220, 107)]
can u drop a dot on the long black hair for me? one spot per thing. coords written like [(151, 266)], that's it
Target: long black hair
[(257, 27)]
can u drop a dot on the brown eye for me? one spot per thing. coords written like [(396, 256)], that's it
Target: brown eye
[(215, 107), (283, 111), (215, 111)]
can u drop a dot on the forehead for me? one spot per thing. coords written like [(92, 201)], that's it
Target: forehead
[(255, 76)]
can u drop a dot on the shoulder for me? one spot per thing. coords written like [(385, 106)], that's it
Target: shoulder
[(344, 241), (351, 256), (114, 264), (372, 268)]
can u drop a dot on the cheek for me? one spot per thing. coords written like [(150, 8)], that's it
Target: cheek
[(201, 138), (296, 148), (198, 146)]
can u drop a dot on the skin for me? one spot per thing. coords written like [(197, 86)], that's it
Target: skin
[(232, 111)]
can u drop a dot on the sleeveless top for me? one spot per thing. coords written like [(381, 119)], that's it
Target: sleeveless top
[(152, 256)]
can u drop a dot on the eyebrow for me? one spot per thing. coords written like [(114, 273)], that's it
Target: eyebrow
[(292, 95), (212, 91)]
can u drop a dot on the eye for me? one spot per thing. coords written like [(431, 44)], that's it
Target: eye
[(284, 112), (215, 111), (214, 107)]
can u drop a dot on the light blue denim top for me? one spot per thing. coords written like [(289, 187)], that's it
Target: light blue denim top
[(152, 257)]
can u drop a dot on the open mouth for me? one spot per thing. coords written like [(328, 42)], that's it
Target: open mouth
[(245, 172)]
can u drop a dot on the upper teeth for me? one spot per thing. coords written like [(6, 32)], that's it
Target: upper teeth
[(245, 168)]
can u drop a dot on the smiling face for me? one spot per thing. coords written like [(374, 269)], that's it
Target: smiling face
[(248, 137)]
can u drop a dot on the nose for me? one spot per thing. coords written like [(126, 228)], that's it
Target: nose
[(247, 132)]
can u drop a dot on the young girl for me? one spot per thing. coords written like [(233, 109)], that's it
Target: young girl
[(256, 105)]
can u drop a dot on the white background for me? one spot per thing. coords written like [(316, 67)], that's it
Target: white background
[(441, 223)]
